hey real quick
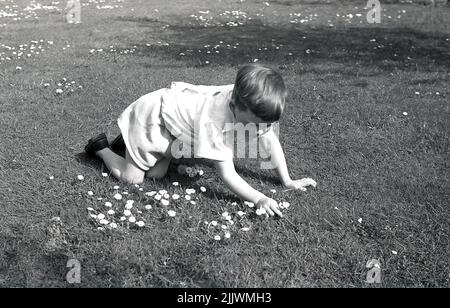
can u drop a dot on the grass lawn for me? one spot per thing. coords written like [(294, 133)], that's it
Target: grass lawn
[(367, 118)]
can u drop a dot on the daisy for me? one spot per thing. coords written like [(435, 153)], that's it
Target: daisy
[(90, 209), (217, 238), (166, 196), (123, 218), (227, 235), (104, 222), (132, 219), (249, 204), (171, 213), (150, 194), (100, 216), (80, 177), (260, 211), (116, 187), (165, 202), (187, 197), (118, 196), (240, 213), (158, 197), (245, 229), (175, 183), (140, 224), (175, 196), (202, 189), (127, 213), (193, 202), (108, 204), (113, 225), (111, 212), (148, 207), (286, 204), (214, 223), (162, 192)]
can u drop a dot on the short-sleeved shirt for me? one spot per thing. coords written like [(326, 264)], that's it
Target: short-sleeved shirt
[(196, 118), (200, 118)]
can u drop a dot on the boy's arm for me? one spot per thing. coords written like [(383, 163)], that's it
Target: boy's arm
[(240, 187), (272, 145)]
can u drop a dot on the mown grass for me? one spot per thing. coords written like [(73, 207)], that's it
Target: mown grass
[(344, 126)]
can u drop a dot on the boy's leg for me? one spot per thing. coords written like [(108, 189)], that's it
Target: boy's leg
[(124, 169), (159, 170)]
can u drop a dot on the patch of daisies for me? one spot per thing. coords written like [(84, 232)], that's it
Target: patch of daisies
[(125, 209), (62, 86)]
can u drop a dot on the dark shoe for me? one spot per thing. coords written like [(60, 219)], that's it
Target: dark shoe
[(118, 145), (96, 144)]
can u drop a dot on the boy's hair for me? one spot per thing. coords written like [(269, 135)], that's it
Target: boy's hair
[(260, 89)]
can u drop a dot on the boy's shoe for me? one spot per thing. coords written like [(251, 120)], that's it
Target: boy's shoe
[(96, 144), (118, 145)]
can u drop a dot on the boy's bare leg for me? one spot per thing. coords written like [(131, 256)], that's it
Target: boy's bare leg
[(159, 170), (124, 169)]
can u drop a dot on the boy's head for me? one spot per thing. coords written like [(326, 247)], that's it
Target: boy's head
[(259, 95)]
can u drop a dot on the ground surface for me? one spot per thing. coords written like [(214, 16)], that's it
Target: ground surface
[(367, 118)]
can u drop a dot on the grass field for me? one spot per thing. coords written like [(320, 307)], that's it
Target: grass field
[(367, 118)]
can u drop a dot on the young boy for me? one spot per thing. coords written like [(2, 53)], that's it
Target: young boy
[(157, 125)]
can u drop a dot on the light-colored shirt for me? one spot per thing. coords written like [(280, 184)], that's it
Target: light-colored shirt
[(200, 118)]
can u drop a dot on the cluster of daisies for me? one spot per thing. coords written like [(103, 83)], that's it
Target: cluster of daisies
[(122, 209), (64, 86), (23, 51)]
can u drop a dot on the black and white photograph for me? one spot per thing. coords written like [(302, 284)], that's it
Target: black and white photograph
[(225, 151)]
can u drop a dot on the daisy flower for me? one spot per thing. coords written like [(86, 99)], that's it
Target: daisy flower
[(148, 207), (127, 213), (217, 238), (90, 193), (165, 202), (175, 196), (113, 225), (202, 189), (214, 223), (227, 235), (249, 204), (140, 224), (108, 204), (100, 216), (118, 196), (171, 213), (132, 219), (111, 212), (175, 183), (80, 177)]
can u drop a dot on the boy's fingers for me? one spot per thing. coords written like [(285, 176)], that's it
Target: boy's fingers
[(277, 211), (268, 210)]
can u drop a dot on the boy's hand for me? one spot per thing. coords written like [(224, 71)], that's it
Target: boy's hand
[(301, 184), (270, 205)]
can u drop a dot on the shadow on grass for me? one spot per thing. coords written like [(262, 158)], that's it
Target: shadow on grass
[(377, 47)]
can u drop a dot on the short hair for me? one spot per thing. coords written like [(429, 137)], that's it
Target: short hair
[(260, 89)]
